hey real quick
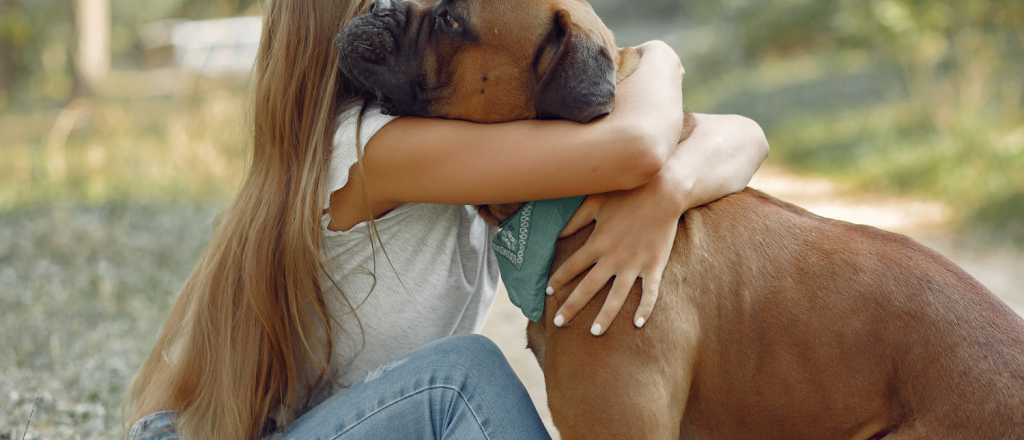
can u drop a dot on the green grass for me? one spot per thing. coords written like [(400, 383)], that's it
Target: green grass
[(130, 144), (97, 237), (83, 291)]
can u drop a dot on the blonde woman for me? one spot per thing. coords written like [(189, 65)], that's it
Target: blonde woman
[(293, 325)]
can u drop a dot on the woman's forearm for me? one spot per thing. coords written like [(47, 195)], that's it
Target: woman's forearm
[(719, 158), (440, 161), (433, 161)]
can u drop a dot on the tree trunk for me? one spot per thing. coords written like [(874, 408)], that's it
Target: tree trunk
[(92, 51)]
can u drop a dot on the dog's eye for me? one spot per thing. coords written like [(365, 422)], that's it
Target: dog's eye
[(448, 22)]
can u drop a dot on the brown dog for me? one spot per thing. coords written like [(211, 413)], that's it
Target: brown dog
[(773, 322)]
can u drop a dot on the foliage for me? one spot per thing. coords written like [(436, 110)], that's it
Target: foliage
[(214, 8), (135, 142), (36, 39), (903, 95), (31, 54)]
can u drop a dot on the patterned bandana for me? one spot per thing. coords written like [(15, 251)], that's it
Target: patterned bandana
[(525, 246)]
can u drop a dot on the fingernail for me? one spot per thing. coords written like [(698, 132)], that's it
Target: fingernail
[(559, 321), (596, 330), (640, 322), (550, 291)]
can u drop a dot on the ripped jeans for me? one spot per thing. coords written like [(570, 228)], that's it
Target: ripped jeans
[(456, 388)]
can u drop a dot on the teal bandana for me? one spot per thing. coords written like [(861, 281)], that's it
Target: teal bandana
[(525, 246)]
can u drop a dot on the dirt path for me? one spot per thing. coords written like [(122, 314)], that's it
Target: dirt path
[(1002, 270)]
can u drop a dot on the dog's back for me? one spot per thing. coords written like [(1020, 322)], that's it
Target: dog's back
[(789, 325)]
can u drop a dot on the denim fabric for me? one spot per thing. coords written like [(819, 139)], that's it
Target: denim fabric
[(456, 388), (156, 426)]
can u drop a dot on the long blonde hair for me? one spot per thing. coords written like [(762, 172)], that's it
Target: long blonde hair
[(248, 337)]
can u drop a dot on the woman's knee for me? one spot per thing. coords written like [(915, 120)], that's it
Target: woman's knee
[(473, 351), (466, 384), (474, 356)]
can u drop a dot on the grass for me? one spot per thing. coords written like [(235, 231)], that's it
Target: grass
[(129, 144), (83, 291), (96, 238)]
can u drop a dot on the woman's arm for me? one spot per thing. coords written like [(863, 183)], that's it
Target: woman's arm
[(719, 158), (440, 161), (636, 229)]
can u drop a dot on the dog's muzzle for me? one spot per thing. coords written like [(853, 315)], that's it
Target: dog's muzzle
[(372, 38), (372, 58)]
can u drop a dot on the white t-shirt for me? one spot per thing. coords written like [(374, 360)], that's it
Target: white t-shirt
[(442, 282)]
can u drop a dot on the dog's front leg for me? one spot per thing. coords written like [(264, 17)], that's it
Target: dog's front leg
[(628, 384)]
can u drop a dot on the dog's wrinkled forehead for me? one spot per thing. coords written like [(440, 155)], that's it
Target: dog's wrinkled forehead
[(526, 25), (482, 60)]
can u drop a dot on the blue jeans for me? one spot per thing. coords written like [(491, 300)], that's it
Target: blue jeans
[(456, 388)]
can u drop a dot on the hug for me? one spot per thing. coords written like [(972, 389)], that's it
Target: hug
[(401, 165)]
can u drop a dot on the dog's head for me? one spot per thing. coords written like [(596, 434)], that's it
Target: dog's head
[(485, 60)]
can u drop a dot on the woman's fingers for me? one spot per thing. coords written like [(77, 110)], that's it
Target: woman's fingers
[(654, 45), (651, 290), (581, 260), (613, 304), (584, 216), (661, 51), (582, 295)]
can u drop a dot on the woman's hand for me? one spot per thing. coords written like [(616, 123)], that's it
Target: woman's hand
[(636, 229), (632, 240), (651, 98)]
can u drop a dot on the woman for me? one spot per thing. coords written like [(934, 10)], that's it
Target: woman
[(332, 304)]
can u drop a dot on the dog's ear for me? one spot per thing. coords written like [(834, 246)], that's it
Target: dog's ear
[(578, 83)]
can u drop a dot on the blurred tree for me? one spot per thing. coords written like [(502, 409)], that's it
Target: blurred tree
[(215, 8), (772, 27), (619, 12), (36, 39), (33, 46), (951, 51), (92, 48)]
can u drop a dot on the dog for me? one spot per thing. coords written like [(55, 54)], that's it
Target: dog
[(772, 323)]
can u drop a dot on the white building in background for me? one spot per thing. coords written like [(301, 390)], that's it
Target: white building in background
[(210, 47)]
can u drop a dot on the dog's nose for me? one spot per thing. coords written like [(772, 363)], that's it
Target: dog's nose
[(381, 5)]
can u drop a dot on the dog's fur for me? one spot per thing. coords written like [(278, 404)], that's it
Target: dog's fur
[(773, 322)]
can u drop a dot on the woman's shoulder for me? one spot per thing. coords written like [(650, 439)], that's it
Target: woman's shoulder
[(359, 118), (356, 125)]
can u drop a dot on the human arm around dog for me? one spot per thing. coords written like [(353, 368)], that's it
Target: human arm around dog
[(440, 161), (636, 229)]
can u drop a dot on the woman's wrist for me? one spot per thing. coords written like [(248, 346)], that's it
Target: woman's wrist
[(641, 149), (650, 101), (719, 158), (740, 147), (675, 188)]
